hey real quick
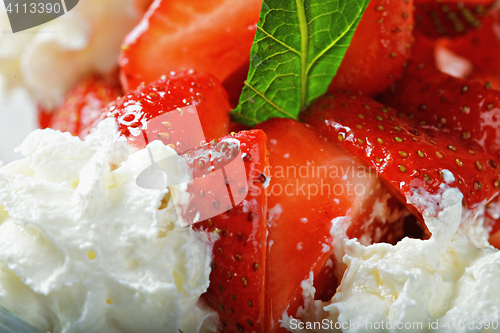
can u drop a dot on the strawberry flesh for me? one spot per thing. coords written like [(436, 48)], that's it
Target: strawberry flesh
[(257, 247)]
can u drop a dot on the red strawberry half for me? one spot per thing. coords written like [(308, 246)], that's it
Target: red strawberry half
[(315, 181), (412, 158), (213, 36), (237, 283), (82, 105), (138, 112), (379, 49)]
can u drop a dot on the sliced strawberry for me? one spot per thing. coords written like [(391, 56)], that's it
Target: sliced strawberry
[(314, 181), (138, 113), (213, 36), (379, 49), (450, 17), (237, 282), (411, 157), (470, 108), (82, 105)]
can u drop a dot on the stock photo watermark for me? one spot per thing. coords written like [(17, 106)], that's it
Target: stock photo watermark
[(26, 14), (409, 326), (311, 180)]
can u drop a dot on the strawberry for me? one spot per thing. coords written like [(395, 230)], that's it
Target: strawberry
[(236, 127), (450, 17), (412, 158), (237, 281), (308, 191), (379, 48), (492, 221), (469, 108), (213, 36), (451, 63), (482, 48), (82, 105), (140, 110)]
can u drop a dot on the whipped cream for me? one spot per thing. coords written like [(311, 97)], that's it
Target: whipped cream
[(39, 65), (50, 58), (84, 249), (448, 283)]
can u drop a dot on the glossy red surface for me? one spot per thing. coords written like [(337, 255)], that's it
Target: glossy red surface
[(407, 155), (379, 49), (213, 36), (237, 282), (136, 111)]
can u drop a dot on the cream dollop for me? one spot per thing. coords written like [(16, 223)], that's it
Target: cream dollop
[(84, 249), (448, 283), (50, 58)]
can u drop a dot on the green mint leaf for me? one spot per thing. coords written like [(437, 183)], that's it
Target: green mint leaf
[(298, 48)]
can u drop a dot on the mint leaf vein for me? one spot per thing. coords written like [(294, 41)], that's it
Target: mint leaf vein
[(297, 50)]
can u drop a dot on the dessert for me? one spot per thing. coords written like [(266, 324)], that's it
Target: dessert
[(358, 192)]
